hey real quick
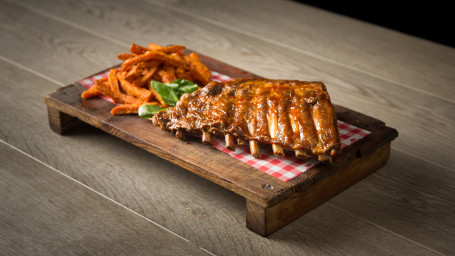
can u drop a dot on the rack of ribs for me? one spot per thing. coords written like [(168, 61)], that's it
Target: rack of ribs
[(288, 114)]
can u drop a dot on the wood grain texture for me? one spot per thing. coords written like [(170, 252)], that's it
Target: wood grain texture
[(202, 212), (430, 117), (65, 53), (62, 123), (266, 220), (353, 222), (205, 161), (224, 170), (413, 63), (44, 213), (387, 200)]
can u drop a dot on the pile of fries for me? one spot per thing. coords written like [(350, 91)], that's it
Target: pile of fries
[(129, 85)]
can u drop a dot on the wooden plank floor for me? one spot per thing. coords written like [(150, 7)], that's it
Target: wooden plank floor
[(51, 186), (354, 89), (51, 214)]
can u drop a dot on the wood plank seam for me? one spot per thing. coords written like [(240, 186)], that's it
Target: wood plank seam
[(59, 98), (32, 71), (237, 30), (65, 104), (16, 140), (429, 160), (385, 229), (71, 24), (94, 191), (266, 220), (296, 49)]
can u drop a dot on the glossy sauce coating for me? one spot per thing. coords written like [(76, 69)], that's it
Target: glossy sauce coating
[(293, 114)]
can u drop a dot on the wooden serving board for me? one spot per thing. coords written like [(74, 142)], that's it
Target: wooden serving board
[(270, 202)]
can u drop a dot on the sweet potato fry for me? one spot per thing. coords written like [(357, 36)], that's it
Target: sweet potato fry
[(182, 73), (130, 84), (167, 49), (137, 49), (91, 92), (171, 72), (105, 89), (137, 92), (158, 97), (199, 70), (124, 56), (113, 82), (132, 74), (153, 46), (125, 109), (173, 49), (153, 55), (166, 74), (147, 74), (142, 72)]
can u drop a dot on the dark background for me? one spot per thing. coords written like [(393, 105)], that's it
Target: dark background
[(431, 20)]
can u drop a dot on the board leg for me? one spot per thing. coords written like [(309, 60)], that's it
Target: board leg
[(62, 123), (266, 220)]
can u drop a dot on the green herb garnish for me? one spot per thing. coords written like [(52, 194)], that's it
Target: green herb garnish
[(170, 93), (148, 110)]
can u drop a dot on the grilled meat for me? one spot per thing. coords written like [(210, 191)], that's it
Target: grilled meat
[(289, 114)]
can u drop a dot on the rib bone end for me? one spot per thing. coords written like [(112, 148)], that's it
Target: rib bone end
[(180, 134), (254, 149), (230, 142), (301, 153), (325, 158), (207, 138), (278, 150)]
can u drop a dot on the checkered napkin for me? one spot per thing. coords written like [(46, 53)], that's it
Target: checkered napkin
[(284, 168), (287, 167)]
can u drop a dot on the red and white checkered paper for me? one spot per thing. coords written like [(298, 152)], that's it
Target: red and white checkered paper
[(284, 168)]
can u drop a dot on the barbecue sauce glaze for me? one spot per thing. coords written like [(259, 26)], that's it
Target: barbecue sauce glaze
[(294, 114)]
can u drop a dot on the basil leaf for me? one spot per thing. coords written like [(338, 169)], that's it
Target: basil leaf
[(167, 94), (161, 89), (183, 82), (171, 93), (185, 86), (148, 110), (173, 98), (173, 85), (188, 89)]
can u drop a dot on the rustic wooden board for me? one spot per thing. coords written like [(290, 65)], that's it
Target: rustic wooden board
[(271, 203)]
